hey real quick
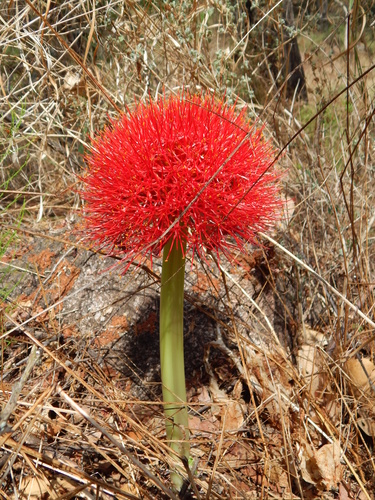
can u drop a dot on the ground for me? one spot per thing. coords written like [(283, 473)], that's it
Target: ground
[(97, 333)]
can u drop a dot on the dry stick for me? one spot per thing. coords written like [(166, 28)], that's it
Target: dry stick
[(321, 279), (91, 33), (245, 371), (27, 415), (6, 264), (16, 391), (29, 193), (353, 44), (216, 463), (323, 108), (287, 445), (115, 462), (114, 441), (190, 472), (30, 418)]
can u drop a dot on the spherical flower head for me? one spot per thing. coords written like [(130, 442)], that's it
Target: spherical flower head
[(186, 168)]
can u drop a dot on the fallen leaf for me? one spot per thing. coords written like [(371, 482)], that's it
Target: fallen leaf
[(309, 362), (74, 82), (304, 454), (307, 335), (320, 467), (280, 477), (232, 416), (35, 488), (239, 456), (204, 426), (367, 426), (361, 373), (343, 492), (94, 437), (327, 460)]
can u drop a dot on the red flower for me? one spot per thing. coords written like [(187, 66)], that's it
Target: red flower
[(187, 157)]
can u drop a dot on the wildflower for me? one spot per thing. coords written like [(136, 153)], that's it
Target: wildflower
[(185, 159), (182, 174)]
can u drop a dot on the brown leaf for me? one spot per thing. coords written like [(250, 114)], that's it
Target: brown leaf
[(204, 426), (367, 426), (343, 492), (327, 460), (310, 365), (321, 467), (239, 456), (362, 373), (232, 416)]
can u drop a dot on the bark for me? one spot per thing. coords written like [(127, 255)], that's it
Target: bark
[(323, 21), (294, 72)]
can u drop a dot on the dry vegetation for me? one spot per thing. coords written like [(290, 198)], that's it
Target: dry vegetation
[(280, 350)]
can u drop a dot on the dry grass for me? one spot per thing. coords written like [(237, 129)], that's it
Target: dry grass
[(282, 397)]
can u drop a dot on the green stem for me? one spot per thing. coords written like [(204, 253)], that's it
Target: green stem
[(172, 352)]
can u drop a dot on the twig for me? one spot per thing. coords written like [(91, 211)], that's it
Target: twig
[(17, 388), (190, 473)]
